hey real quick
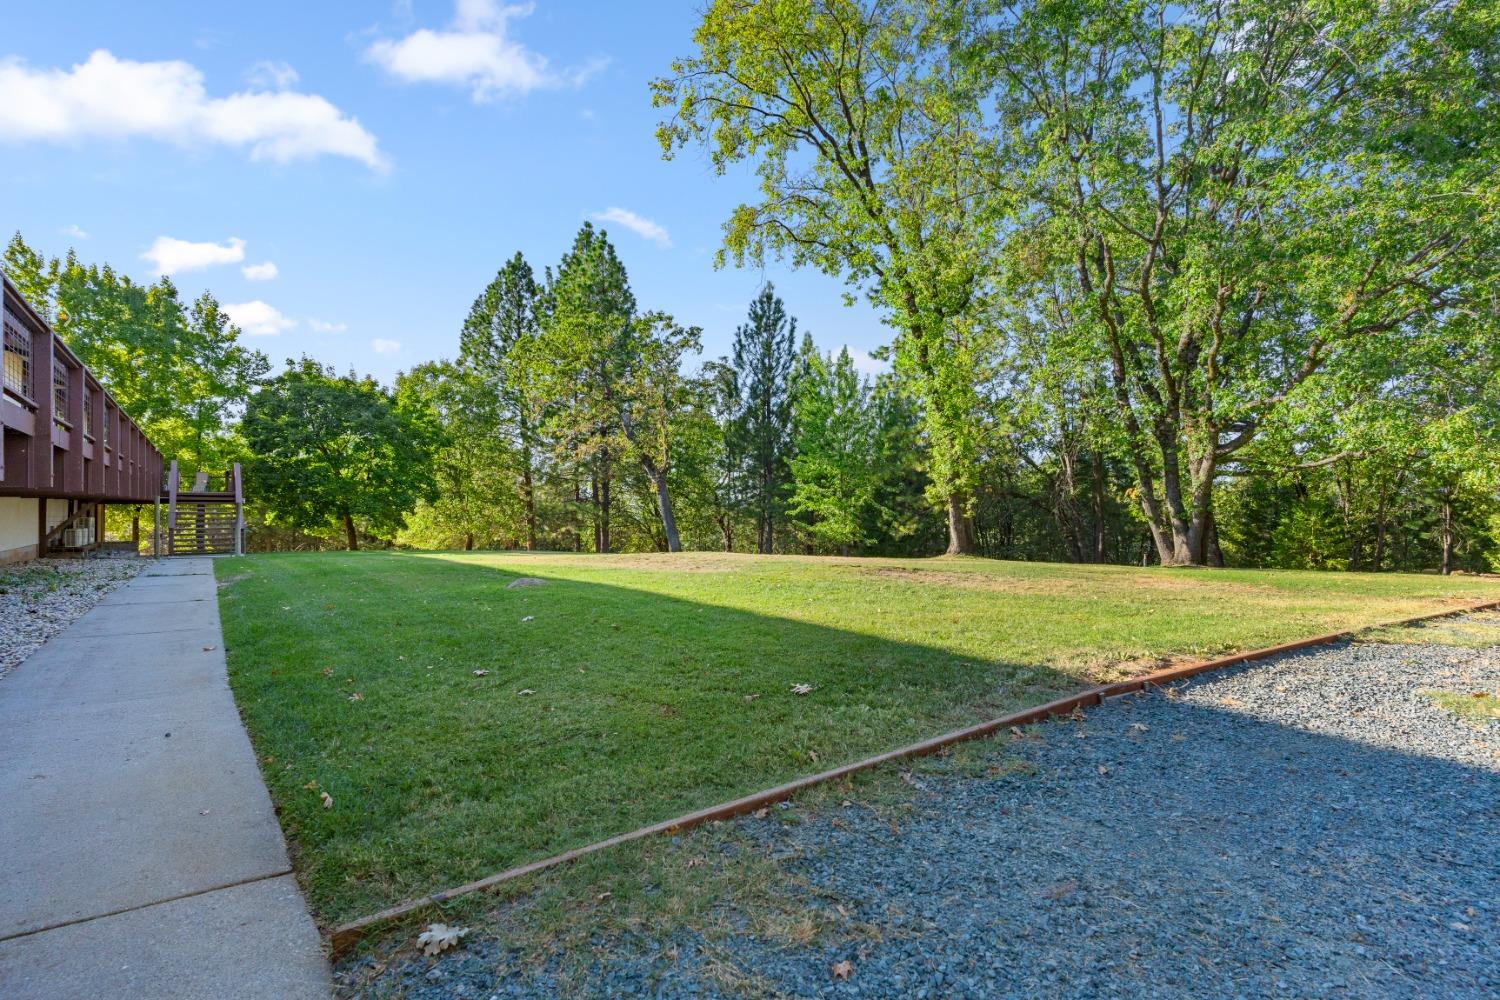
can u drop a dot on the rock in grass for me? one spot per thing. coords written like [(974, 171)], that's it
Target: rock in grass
[(525, 581)]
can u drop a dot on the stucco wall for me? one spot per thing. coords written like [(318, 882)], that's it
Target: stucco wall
[(18, 528)]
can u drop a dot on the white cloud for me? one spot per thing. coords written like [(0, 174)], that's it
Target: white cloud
[(476, 51), (638, 224), (865, 364), (75, 231), (257, 318), (112, 98), (271, 75), (173, 255), (383, 346), (260, 272), (323, 326)]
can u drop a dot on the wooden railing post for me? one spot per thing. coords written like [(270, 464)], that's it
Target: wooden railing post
[(171, 506), (239, 513)]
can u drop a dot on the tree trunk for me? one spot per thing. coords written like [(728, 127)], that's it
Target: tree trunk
[(960, 528), (528, 499), (726, 532), (663, 504), (469, 542), (349, 532), (1447, 566), (604, 539), (1101, 527)]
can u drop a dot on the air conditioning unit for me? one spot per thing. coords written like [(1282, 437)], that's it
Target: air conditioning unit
[(80, 536)]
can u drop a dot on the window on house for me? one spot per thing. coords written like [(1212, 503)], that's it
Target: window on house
[(17, 361), (59, 390)]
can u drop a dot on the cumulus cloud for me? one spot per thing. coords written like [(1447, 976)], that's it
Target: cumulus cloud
[(260, 272), (476, 51), (383, 346), (323, 326), (171, 255), (643, 227), (112, 98), (75, 231), (257, 318)]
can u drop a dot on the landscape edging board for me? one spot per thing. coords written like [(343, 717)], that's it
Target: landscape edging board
[(341, 939)]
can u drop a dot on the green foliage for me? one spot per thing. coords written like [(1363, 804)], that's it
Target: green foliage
[(760, 433), (867, 143), (329, 450), (834, 466)]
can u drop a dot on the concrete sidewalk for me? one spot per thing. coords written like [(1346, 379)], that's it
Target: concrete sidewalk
[(139, 854)]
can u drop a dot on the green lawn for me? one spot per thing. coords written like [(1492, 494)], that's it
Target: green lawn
[(632, 688)]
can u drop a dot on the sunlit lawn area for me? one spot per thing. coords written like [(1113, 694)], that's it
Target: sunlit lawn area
[(461, 727)]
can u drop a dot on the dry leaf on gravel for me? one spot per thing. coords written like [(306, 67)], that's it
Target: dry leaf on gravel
[(842, 970), (439, 937)]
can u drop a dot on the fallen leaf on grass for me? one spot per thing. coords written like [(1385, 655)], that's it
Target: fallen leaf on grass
[(604, 896), (327, 671), (481, 673), (327, 800), (525, 691), (801, 688), (529, 618), (842, 970), (311, 786), (694, 862), (356, 696), (439, 937), (751, 697)]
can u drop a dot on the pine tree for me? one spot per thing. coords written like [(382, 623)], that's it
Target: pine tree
[(504, 322), (764, 349)]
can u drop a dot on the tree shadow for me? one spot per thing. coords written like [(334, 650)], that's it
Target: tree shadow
[(600, 709)]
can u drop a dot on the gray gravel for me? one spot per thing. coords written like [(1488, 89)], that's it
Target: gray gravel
[(40, 598), (1306, 826)]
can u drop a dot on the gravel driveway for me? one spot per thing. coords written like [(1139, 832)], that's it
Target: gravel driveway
[(1307, 826)]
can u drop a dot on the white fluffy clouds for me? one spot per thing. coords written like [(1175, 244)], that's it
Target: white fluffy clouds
[(643, 227), (75, 231), (110, 98), (260, 272), (257, 318), (171, 255), (476, 51), (382, 346), (324, 326)]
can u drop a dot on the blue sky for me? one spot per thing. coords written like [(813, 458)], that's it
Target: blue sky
[(385, 158)]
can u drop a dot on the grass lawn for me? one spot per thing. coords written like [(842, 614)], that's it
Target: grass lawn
[(460, 727)]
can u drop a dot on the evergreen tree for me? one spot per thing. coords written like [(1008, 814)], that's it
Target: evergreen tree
[(764, 349), (505, 319)]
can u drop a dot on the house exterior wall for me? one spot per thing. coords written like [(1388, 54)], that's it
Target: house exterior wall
[(18, 528)]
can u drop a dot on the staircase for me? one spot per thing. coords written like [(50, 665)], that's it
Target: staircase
[(205, 518)]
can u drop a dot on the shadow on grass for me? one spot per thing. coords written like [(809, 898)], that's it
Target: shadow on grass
[(1182, 848), (460, 727)]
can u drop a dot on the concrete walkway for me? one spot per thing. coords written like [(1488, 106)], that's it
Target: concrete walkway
[(139, 853)]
